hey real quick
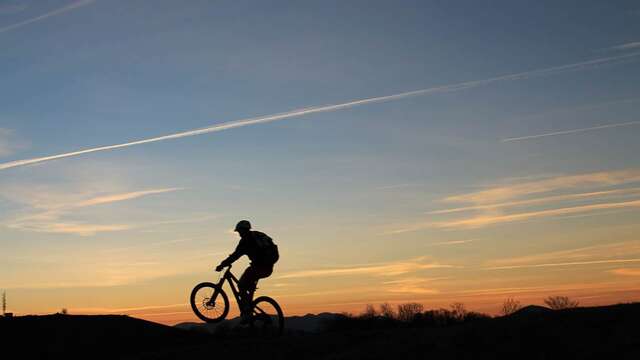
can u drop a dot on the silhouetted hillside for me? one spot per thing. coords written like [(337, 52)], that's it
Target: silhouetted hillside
[(102, 336), (530, 311), (530, 333)]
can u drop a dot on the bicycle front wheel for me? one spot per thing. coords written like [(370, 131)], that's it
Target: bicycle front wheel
[(267, 316), (209, 302)]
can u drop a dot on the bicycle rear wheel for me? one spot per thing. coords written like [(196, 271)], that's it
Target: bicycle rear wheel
[(206, 307), (267, 317)]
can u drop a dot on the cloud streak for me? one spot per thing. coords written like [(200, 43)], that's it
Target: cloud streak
[(48, 217), (485, 220), (627, 46), (335, 107), (626, 271), (123, 197), (572, 131), (413, 285), (616, 253), (507, 192), (453, 242), (542, 200), (56, 12), (488, 205), (386, 269), (594, 252), (573, 263)]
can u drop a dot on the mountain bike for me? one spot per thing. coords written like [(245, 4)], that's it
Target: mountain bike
[(210, 303)]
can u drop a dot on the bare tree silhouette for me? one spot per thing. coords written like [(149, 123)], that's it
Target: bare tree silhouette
[(387, 311), (369, 312), (458, 310), (560, 302), (407, 312), (510, 306)]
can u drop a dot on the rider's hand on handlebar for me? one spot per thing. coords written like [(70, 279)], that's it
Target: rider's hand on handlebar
[(219, 268)]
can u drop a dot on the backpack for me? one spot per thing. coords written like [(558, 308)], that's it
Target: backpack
[(268, 251)]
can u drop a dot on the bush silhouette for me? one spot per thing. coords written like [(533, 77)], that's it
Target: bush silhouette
[(560, 302), (438, 318)]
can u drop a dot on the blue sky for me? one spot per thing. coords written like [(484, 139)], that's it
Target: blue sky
[(342, 188)]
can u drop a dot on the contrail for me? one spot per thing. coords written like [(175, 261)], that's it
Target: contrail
[(571, 131), (59, 11), (326, 108)]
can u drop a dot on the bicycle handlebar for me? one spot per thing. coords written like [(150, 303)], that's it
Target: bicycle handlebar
[(228, 267)]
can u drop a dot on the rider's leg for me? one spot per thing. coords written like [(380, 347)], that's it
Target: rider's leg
[(247, 284)]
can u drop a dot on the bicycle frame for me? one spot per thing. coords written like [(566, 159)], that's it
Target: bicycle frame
[(233, 284)]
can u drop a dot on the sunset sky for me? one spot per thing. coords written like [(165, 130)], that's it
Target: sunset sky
[(427, 151)]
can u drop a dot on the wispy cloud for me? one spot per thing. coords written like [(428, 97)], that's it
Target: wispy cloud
[(335, 107), (580, 108), (572, 263), (627, 46), (542, 200), (122, 197), (102, 310), (484, 220), (625, 252), (412, 285), (49, 217), (572, 131), (626, 271), (453, 242), (631, 248), (56, 12), (511, 191), (384, 269), (543, 290), (69, 228), (490, 204)]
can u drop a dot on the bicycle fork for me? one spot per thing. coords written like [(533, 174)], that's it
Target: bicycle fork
[(214, 296)]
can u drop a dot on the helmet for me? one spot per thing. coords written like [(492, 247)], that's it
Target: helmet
[(243, 225)]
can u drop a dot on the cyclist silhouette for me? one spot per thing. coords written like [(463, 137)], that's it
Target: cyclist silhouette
[(263, 254)]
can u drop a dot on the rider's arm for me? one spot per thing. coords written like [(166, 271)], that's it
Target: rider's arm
[(240, 250)]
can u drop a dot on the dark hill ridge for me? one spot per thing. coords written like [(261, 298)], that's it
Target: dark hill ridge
[(50, 336), (532, 333), (532, 310)]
